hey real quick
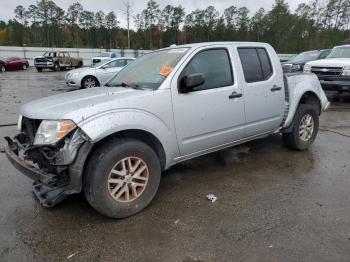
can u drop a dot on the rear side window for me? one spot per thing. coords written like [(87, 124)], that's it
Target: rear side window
[(256, 64), (265, 63)]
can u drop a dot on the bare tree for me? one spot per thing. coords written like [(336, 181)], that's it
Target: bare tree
[(128, 12)]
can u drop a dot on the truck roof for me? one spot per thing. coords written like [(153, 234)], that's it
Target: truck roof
[(220, 43), (348, 46)]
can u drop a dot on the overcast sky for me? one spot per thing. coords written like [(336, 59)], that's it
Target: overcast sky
[(7, 6)]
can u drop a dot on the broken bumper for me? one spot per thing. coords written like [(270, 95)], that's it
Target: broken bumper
[(24, 167), (47, 195), (47, 186)]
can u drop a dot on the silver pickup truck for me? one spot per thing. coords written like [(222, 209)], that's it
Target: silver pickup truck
[(166, 107)]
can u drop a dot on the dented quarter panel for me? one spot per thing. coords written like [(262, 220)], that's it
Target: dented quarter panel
[(298, 85)]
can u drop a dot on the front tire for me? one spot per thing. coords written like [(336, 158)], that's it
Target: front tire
[(24, 67), (39, 69), (89, 82), (2, 69), (57, 67), (122, 178), (305, 128)]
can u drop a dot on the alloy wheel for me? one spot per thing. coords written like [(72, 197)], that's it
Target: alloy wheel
[(90, 82), (128, 179), (306, 127)]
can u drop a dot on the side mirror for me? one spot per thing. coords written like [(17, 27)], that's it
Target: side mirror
[(187, 83)]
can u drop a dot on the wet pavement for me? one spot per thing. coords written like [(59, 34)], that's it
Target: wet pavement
[(273, 204)]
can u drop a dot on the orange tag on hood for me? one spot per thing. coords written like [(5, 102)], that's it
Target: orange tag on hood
[(166, 70)]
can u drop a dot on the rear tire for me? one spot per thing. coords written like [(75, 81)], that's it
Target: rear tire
[(2, 69), (305, 128), (39, 69), (80, 64), (122, 177)]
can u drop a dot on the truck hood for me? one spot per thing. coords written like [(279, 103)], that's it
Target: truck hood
[(83, 104), (331, 62)]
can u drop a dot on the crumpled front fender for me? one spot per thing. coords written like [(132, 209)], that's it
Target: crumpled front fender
[(103, 125)]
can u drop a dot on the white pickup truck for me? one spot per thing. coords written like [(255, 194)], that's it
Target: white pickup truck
[(334, 71), (165, 107)]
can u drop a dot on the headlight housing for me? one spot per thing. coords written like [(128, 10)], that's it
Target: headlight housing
[(307, 68), (19, 123), (296, 67), (51, 131), (75, 74), (346, 70)]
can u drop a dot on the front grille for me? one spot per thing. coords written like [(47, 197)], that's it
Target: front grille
[(327, 71), (29, 128), (287, 68), (95, 61), (40, 60)]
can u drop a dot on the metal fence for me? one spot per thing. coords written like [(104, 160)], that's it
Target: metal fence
[(85, 53)]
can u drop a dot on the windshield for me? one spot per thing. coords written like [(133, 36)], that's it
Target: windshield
[(100, 63), (104, 55), (340, 52), (306, 57), (150, 70), (50, 54)]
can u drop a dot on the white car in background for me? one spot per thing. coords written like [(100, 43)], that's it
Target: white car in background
[(96, 75), (102, 57)]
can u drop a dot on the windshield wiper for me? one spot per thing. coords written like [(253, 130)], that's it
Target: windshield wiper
[(126, 85)]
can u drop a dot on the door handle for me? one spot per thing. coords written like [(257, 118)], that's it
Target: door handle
[(276, 88), (235, 95)]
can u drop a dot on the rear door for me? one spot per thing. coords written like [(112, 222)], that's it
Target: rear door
[(67, 59), (263, 90), (212, 114)]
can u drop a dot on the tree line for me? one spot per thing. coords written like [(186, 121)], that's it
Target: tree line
[(313, 25)]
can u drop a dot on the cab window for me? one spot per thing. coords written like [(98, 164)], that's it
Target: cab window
[(215, 65), (115, 63), (256, 64)]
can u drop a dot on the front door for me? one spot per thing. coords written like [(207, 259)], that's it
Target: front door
[(212, 114)]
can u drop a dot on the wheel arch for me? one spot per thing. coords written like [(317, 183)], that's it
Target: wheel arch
[(306, 97), (78, 169), (141, 135), (310, 98)]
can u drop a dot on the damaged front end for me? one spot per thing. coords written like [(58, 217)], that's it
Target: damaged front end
[(57, 167)]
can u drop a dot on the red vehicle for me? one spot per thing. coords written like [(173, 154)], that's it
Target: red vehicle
[(13, 63)]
